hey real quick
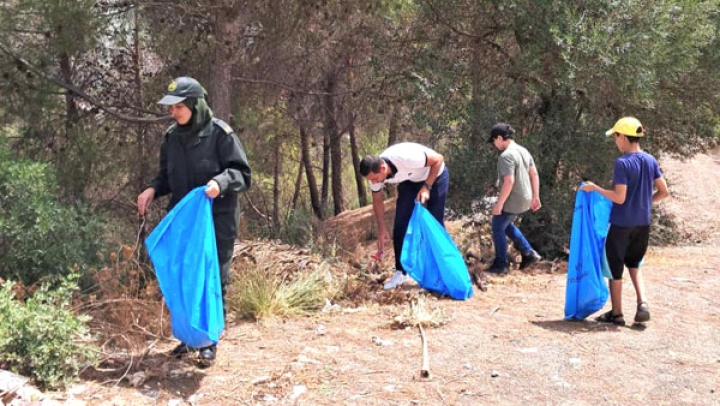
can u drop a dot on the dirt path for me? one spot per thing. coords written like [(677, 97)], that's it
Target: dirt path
[(506, 346)]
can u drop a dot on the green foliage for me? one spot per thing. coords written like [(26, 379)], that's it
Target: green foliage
[(258, 293), (38, 235), (42, 338)]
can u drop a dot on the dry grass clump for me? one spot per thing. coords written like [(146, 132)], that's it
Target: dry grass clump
[(419, 312), (275, 280)]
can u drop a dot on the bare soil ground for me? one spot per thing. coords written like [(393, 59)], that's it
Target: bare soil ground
[(508, 345)]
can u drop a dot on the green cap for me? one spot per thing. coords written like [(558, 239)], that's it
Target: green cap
[(180, 89)]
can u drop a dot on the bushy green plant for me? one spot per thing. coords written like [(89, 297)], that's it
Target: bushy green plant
[(42, 338), (39, 236)]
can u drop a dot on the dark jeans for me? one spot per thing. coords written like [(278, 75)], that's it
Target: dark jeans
[(407, 191), (502, 228)]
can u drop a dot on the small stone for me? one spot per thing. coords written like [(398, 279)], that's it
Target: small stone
[(495, 374)]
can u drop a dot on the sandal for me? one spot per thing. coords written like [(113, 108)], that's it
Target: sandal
[(643, 313), (609, 317)]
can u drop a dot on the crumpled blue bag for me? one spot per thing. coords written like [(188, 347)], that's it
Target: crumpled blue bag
[(183, 250), (430, 256), (586, 291)]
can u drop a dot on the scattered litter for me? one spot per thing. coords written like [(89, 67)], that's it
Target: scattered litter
[(306, 360), (297, 391), (137, 379), (195, 398), (379, 341), (330, 307), (575, 362), (260, 380)]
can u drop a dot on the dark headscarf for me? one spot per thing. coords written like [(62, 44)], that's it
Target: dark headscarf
[(201, 116)]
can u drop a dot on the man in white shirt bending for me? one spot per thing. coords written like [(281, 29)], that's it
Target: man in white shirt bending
[(421, 174)]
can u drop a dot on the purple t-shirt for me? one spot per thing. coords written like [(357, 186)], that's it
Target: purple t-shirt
[(637, 170)]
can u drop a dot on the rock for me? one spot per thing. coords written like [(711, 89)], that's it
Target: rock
[(495, 374)]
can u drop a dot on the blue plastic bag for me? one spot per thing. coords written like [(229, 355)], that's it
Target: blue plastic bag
[(183, 250), (586, 292), (429, 256)]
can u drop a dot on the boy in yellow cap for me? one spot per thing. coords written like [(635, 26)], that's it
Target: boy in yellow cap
[(634, 175)]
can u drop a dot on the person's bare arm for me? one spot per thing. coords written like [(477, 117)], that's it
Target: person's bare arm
[(508, 182), (379, 210), (535, 204), (616, 195), (661, 191), (434, 161)]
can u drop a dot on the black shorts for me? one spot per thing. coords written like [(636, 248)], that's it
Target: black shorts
[(626, 246)]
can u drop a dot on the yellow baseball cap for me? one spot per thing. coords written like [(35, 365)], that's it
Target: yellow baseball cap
[(628, 126)]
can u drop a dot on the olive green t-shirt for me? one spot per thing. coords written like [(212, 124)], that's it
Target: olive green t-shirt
[(516, 160)]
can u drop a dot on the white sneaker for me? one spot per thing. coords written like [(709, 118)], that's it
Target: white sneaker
[(396, 280)]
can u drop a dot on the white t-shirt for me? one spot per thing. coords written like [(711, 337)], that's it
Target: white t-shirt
[(410, 160)]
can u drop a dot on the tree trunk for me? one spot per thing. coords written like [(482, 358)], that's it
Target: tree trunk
[(393, 125), (325, 170), (229, 25), (298, 184), (359, 180), (309, 174), (332, 131), (276, 183), (76, 167), (142, 176)]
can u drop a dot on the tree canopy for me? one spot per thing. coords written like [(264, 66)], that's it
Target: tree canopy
[(312, 85)]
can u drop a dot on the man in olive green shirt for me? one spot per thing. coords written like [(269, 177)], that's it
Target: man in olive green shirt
[(519, 185)]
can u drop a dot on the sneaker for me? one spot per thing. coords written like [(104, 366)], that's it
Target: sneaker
[(529, 259), (500, 268), (396, 280), (643, 313), (207, 355), (181, 349)]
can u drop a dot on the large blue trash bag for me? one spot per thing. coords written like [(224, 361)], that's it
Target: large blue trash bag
[(183, 251), (586, 291), (430, 256)]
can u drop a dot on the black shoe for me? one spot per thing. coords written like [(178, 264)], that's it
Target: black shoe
[(181, 350), (207, 355), (529, 259), (500, 268)]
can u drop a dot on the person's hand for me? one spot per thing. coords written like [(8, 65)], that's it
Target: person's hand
[(497, 209), (144, 199), (535, 205), (213, 189), (377, 256), (588, 187), (423, 195), (383, 237)]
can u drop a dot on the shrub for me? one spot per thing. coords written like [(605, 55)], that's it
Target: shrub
[(38, 234), (259, 294), (42, 338)]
